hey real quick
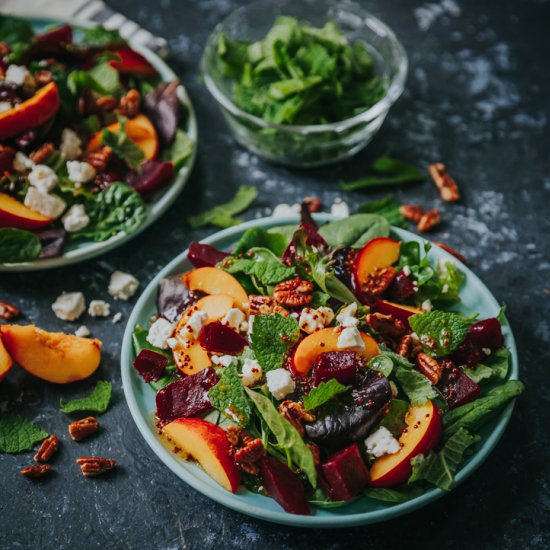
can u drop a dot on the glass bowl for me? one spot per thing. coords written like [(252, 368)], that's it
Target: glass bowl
[(319, 144)]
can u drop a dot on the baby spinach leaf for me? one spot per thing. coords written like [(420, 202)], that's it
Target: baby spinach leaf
[(180, 150), (387, 208), (403, 494), (327, 280), (18, 245), (416, 386), (229, 397), (324, 392), (355, 231), (257, 237), (394, 421)]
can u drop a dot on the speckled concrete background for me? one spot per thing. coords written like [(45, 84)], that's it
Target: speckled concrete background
[(476, 99)]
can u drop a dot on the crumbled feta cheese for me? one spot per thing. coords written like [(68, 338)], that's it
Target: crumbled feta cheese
[(445, 289), (280, 383), (122, 286), (486, 351), (18, 74), (427, 305), (244, 326), (340, 209), (252, 372), (193, 327), (48, 205), (21, 162), (82, 331), (234, 319), (75, 218), (99, 308), (117, 317), (71, 145), (346, 317), (5, 106), (295, 315), (406, 270), (172, 342), (315, 319), (350, 337), (80, 172), (159, 333), (382, 442), (284, 210), (42, 177), (250, 323), (69, 306), (224, 360)]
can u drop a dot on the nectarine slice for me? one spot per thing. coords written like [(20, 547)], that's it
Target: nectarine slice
[(207, 443), (52, 356), (398, 311), (6, 362), (214, 305), (212, 280), (326, 340), (15, 214), (192, 359), (420, 436), (380, 252)]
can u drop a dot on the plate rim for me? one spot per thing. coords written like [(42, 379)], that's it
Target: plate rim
[(159, 206), (226, 498)]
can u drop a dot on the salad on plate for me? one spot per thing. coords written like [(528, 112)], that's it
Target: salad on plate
[(319, 365), (89, 134)]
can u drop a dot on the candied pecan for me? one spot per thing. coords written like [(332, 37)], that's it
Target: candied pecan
[(448, 189), (378, 282), (294, 293), (4, 49), (8, 311), (316, 452), (234, 435), (245, 450), (36, 470), (429, 367), (106, 103), (451, 251), (43, 77), (83, 428), (99, 158), (251, 452), (404, 346), (263, 305), (49, 447), (295, 413), (313, 204), (92, 466), (42, 153), (130, 104), (412, 212), (386, 324), (429, 220)]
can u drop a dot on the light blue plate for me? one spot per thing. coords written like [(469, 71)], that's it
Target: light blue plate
[(84, 250), (141, 401)]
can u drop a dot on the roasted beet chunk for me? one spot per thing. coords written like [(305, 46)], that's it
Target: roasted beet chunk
[(150, 364), (486, 334), (355, 414), (340, 365), (401, 288), (217, 338), (152, 176), (187, 397), (174, 298), (204, 255), (457, 388)]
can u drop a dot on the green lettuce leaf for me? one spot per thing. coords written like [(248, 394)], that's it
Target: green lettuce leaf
[(256, 237), (180, 150), (18, 434), (18, 245), (324, 392), (403, 494), (495, 366), (386, 207), (97, 401), (416, 386), (394, 421), (355, 230)]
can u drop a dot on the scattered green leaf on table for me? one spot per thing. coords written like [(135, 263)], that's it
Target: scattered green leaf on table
[(97, 401), (18, 245), (18, 434), (229, 397), (322, 393)]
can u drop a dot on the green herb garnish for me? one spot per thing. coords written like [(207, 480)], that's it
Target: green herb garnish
[(97, 401), (18, 434), (229, 397), (324, 392), (123, 147)]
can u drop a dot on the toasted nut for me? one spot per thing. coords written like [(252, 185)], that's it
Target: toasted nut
[(48, 448), (130, 104), (251, 452), (100, 158), (295, 413), (378, 282), (36, 470), (451, 251), (92, 466), (263, 305), (106, 103), (43, 77), (42, 153), (404, 346), (8, 311), (387, 325), (294, 293), (448, 189), (245, 450), (412, 212), (81, 429), (429, 367), (429, 220)]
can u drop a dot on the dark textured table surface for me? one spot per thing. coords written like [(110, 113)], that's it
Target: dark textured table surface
[(476, 99)]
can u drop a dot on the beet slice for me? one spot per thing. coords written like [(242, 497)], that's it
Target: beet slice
[(153, 175), (457, 388), (187, 397), (205, 255), (60, 35), (340, 365), (218, 338), (401, 288), (150, 364), (486, 334), (284, 487), (344, 474)]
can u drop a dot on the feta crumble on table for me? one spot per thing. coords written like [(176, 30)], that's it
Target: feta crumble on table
[(312, 319), (122, 286), (251, 373), (117, 317), (381, 443), (71, 145), (42, 177), (82, 331), (80, 172), (340, 209), (48, 205), (284, 210), (99, 308), (234, 319), (159, 333), (75, 218), (350, 337), (193, 327), (69, 306), (224, 360), (280, 383), (21, 162)]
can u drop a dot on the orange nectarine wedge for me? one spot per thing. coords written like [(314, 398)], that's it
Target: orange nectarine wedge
[(214, 305), (52, 356), (397, 311), (6, 362), (380, 252), (212, 280), (326, 340), (192, 359), (15, 214)]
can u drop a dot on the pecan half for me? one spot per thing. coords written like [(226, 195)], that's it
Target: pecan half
[(294, 293), (106, 103), (42, 153), (43, 77), (263, 305), (387, 325), (412, 212), (49, 447), (448, 189), (81, 429), (404, 346), (36, 470), (92, 466), (4, 49), (378, 282), (429, 367), (245, 450), (429, 220), (100, 158), (8, 311), (451, 251), (130, 104), (295, 413)]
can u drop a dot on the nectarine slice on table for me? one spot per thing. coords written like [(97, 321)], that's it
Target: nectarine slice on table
[(15, 214), (6, 362), (380, 252), (212, 280), (207, 443), (327, 340), (52, 356), (420, 436)]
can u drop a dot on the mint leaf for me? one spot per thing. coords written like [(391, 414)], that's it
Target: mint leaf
[(180, 150), (386, 207), (387, 360), (403, 494), (493, 366), (355, 230), (123, 147), (18, 245), (271, 338), (229, 397), (324, 392), (255, 237), (223, 214), (473, 415), (18, 434), (416, 386), (97, 401), (440, 332), (288, 438), (394, 421), (439, 468)]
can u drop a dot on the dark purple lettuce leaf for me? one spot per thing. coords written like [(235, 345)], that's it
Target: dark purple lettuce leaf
[(52, 241), (162, 106), (173, 298)]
